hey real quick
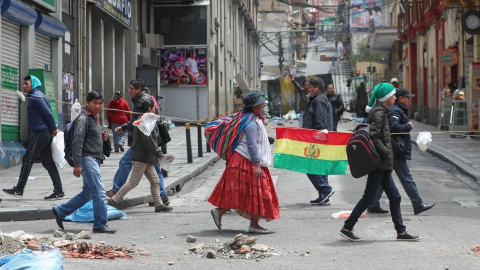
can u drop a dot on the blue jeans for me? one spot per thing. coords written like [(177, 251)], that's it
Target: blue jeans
[(124, 168), (93, 189), (118, 137), (320, 182), (376, 179), (402, 170)]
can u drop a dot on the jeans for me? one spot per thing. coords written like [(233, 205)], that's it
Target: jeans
[(124, 168), (335, 125), (402, 170), (93, 189), (376, 179), (320, 182), (118, 137), (39, 147)]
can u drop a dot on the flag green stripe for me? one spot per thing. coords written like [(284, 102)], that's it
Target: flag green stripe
[(309, 165)]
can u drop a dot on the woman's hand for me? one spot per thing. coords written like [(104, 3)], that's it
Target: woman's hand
[(258, 170)]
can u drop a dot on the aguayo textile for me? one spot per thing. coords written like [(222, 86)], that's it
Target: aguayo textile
[(224, 133), (311, 151)]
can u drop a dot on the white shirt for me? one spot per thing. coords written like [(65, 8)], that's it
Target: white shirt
[(192, 64)]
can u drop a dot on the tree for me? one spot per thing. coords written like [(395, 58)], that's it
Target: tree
[(364, 54)]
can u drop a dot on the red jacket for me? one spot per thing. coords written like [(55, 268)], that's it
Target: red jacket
[(118, 117)]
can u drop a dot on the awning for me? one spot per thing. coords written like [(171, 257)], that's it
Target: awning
[(382, 40), (18, 12), (49, 26)]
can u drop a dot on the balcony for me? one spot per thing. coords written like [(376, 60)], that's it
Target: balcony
[(409, 20), (418, 16), (432, 10)]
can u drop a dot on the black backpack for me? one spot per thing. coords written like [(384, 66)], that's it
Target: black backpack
[(362, 156), (67, 139), (163, 137)]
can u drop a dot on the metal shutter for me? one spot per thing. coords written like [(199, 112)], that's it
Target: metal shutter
[(43, 52), (10, 59)]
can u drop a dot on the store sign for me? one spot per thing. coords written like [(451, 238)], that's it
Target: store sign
[(448, 57), (121, 10), (184, 66), (48, 4)]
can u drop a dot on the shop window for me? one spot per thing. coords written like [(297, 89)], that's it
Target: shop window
[(182, 25)]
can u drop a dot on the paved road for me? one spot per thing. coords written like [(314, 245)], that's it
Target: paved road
[(449, 231)]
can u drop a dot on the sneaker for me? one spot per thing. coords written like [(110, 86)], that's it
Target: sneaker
[(105, 229), (349, 235), (327, 202), (58, 219), (163, 208), (323, 198), (14, 192), (407, 237), (55, 196)]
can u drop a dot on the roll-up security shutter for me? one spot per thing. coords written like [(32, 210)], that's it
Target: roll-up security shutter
[(43, 52), (10, 59)]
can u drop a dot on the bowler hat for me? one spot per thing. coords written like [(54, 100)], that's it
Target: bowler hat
[(253, 99)]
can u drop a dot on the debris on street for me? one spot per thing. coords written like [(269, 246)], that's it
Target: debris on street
[(476, 249), (96, 251), (191, 239), (241, 247), (344, 215)]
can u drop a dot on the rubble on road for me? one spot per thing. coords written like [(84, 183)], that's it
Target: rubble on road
[(241, 247), (96, 251), (476, 249)]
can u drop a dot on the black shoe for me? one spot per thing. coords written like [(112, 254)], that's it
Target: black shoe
[(327, 202), (407, 237), (323, 198), (349, 235), (14, 192), (164, 201), (58, 218), (105, 229), (163, 208), (121, 148), (423, 208), (377, 210), (112, 203), (55, 196)]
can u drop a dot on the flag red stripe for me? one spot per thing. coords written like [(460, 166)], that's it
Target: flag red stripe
[(307, 135)]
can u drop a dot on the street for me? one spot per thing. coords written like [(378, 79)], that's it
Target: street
[(448, 232)]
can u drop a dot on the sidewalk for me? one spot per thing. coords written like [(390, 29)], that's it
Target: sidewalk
[(32, 206), (463, 153)]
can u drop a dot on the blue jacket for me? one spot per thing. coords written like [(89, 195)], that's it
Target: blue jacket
[(40, 115), (398, 119)]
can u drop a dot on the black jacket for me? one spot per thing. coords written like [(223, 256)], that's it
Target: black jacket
[(319, 114), (380, 135), (87, 138), (398, 119), (138, 106), (145, 148), (337, 105)]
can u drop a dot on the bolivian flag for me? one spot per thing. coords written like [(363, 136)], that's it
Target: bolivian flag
[(310, 151)]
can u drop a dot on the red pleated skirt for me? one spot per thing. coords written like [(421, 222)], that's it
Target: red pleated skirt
[(240, 190)]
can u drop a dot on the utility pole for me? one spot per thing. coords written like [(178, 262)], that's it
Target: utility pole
[(280, 55)]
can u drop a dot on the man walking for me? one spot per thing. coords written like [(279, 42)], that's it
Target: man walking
[(87, 152), (337, 105), (42, 126), (140, 100), (319, 115), (118, 113), (399, 123)]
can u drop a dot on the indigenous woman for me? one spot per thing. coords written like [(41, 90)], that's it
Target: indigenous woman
[(246, 185)]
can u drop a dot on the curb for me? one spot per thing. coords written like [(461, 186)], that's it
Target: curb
[(32, 213), (460, 165)]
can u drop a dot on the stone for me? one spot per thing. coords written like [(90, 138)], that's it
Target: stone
[(197, 247), (70, 236), (250, 240), (244, 249), (239, 237), (25, 237), (57, 233), (211, 254), (248, 256), (259, 247), (220, 249), (84, 235), (34, 246), (171, 263), (191, 239), (15, 234), (217, 240)]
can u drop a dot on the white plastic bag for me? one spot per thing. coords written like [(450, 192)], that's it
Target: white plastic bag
[(58, 147), (147, 123), (424, 139), (166, 161), (75, 110), (291, 115)]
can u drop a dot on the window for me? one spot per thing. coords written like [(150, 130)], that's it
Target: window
[(182, 25), (67, 7)]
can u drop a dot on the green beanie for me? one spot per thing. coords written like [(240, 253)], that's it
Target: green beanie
[(381, 92)]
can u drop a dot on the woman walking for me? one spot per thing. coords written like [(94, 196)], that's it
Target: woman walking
[(246, 184)]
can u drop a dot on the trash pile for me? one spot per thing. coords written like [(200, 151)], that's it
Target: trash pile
[(15, 242), (241, 247), (476, 249)]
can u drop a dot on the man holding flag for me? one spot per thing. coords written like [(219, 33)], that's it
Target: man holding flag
[(319, 116)]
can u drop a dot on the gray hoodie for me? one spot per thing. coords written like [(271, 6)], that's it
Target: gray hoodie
[(87, 138)]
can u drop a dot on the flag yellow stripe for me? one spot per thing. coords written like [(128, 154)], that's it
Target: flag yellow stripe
[(311, 150)]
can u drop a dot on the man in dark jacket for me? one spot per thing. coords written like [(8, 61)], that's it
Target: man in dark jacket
[(141, 101), (382, 175), (319, 116), (337, 105), (87, 153), (399, 123), (42, 129)]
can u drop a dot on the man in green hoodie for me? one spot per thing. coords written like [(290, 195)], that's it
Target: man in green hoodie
[(42, 129)]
